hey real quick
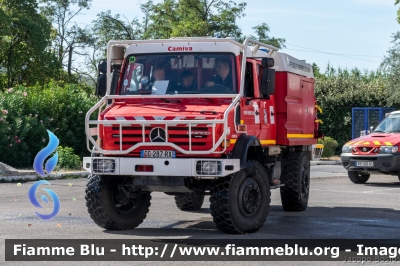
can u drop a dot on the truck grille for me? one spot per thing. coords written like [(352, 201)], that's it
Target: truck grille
[(179, 135), (365, 149)]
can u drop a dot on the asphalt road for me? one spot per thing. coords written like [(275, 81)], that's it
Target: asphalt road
[(337, 209)]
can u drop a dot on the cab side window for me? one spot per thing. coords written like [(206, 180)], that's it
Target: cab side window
[(248, 81)]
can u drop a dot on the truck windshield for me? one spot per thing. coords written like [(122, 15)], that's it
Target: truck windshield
[(179, 73), (391, 124)]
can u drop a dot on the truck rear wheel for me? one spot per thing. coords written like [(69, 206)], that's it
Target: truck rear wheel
[(109, 205), (189, 201), (240, 202), (296, 177), (357, 177)]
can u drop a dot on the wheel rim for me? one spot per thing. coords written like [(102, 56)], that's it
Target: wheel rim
[(122, 205), (305, 182), (249, 197)]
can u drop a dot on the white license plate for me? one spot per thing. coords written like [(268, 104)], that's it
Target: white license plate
[(157, 154), (364, 163)]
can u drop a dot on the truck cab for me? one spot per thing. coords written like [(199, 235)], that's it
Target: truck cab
[(377, 152), (196, 117)]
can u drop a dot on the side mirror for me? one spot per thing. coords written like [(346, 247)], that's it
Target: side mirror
[(102, 66), (267, 62), (101, 88), (268, 82), (114, 78)]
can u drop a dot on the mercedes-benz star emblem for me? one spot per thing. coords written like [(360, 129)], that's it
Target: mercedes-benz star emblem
[(157, 134), (365, 149)]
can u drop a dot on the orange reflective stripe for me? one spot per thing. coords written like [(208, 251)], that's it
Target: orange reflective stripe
[(300, 136), (268, 142)]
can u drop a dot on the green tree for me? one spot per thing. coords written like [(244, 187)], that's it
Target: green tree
[(108, 27), (192, 18), (25, 54), (316, 70), (69, 36), (391, 66), (261, 34), (396, 2), (171, 18), (338, 90)]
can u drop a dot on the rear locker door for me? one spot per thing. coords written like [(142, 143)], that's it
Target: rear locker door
[(308, 106)]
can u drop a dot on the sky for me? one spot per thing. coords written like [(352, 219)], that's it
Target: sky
[(315, 30)]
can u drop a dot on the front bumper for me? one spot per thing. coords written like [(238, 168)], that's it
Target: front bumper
[(381, 162), (162, 166)]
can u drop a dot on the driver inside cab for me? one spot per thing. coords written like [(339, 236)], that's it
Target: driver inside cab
[(223, 76)]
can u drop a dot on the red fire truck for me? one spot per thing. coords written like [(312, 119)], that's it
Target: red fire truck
[(200, 116)]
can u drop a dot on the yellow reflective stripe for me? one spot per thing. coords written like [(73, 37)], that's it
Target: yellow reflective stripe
[(300, 136), (366, 143), (263, 142), (268, 142), (348, 143), (377, 142), (319, 146), (388, 143)]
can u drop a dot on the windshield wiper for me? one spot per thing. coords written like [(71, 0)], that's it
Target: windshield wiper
[(394, 131), (379, 131), (190, 92), (137, 93)]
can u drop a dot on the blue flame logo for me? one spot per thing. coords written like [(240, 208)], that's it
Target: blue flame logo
[(34, 201), (49, 166), (42, 155)]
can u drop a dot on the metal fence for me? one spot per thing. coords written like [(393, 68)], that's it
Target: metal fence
[(363, 118)]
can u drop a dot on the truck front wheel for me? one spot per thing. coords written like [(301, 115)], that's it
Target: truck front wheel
[(240, 202), (357, 177), (296, 177), (113, 206), (189, 201)]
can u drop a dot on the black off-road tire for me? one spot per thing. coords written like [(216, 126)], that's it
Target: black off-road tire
[(240, 202), (189, 201), (357, 177), (100, 198), (296, 177)]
